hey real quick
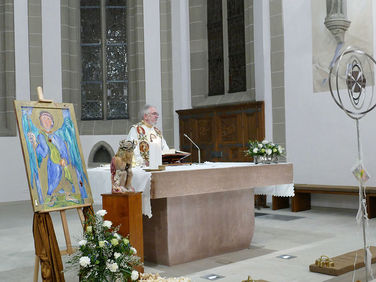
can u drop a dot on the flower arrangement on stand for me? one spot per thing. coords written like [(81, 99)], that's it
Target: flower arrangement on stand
[(264, 152), (103, 254)]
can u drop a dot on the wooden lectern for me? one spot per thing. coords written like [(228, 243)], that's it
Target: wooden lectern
[(125, 209)]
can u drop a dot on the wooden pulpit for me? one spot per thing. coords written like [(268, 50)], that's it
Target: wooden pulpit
[(126, 210)]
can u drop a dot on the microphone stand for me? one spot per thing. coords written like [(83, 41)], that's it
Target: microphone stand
[(199, 159)]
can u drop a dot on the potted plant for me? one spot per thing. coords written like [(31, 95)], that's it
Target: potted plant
[(264, 152)]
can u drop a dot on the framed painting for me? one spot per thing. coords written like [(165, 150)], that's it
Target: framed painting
[(54, 162)]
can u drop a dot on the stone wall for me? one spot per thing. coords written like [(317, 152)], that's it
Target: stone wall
[(7, 70), (277, 72)]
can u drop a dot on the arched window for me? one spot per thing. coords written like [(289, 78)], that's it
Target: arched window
[(101, 153)]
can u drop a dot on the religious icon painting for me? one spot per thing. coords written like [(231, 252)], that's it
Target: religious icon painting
[(54, 162)]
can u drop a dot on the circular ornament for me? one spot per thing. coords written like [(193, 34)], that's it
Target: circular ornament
[(144, 146), (352, 82)]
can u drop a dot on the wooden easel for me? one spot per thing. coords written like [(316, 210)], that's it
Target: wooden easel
[(41, 96), (70, 250)]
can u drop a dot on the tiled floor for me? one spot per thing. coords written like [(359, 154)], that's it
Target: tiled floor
[(306, 235)]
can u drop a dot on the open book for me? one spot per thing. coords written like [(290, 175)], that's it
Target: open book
[(173, 156), (173, 152)]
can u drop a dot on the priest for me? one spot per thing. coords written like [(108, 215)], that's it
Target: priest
[(145, 132)]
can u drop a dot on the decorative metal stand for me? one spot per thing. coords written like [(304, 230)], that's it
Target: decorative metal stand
[(353, 78)]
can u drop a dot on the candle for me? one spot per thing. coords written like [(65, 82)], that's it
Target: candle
[(155, 153)]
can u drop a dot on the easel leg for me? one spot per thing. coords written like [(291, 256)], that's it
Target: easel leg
[(66, 232), (81, 215), (70, 250), (36, 269)]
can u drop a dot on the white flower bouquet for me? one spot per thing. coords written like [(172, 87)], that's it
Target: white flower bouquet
[(149, 277), (103, 254), (264, 151)]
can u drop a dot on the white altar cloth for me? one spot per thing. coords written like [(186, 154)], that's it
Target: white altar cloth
[(100, 182), (283, 190)]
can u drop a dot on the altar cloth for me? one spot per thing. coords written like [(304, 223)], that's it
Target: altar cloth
[(100, 181), (281, 190)]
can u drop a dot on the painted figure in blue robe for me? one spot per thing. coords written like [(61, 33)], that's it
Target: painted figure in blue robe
[(48, 144), (28, 128), (68, 133)]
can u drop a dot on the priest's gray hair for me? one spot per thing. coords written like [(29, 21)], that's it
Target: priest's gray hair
[(145, 110)]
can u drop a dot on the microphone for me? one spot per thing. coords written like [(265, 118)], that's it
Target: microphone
[(199, 159)]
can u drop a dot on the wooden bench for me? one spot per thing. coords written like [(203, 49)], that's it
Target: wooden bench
[(302, 199)]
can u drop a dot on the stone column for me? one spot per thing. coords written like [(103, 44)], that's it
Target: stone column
[(263, 81), (152, 45), (181, 81), (336, 19)]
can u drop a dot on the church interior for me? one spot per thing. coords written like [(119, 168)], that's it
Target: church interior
[(267, 104)]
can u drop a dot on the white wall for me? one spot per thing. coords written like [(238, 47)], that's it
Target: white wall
[(181, 64), (21, 46), (152, 46), (51, 44), (320, 138), (263, 82), (14, 186)]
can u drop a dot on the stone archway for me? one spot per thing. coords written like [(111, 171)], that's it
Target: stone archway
[(101, 153)]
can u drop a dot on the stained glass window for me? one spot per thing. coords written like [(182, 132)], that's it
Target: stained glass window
[(104, 84), (215, 47), (236, 46)]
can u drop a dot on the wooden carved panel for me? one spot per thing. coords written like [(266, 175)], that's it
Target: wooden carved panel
[(204, 130), (228, 128), (253, 132), (233, 153), (187, 126), (222, 132)]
